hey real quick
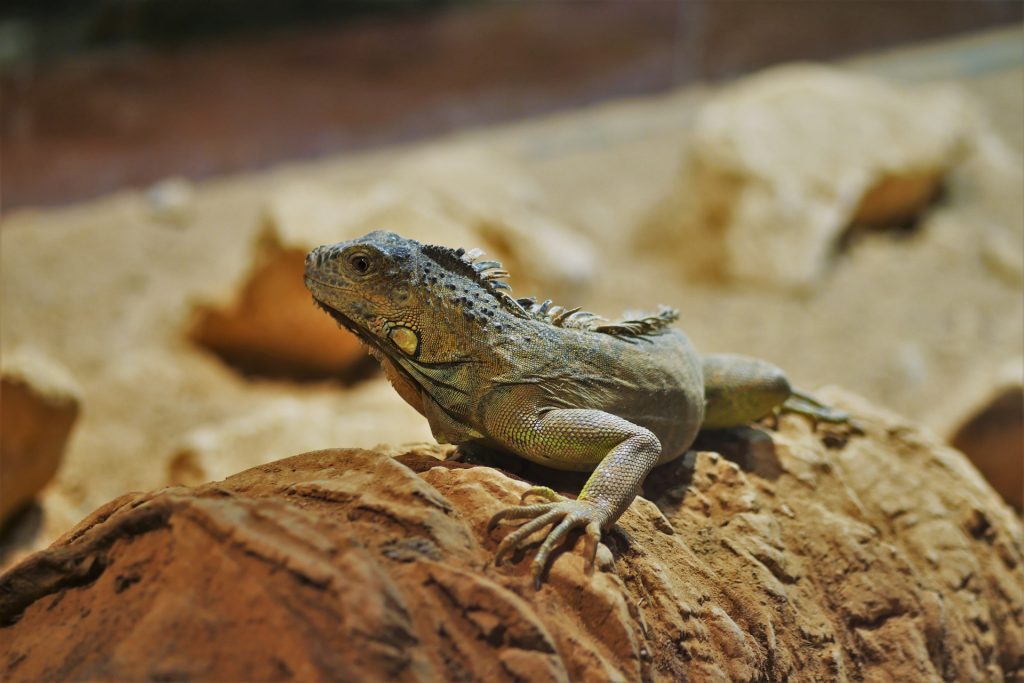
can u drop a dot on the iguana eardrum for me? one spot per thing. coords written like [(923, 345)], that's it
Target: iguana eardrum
[(561, 387)]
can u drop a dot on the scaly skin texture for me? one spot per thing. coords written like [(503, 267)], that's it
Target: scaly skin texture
[(563, 388)]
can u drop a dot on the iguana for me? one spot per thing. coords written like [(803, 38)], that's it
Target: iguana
[(558, 386)]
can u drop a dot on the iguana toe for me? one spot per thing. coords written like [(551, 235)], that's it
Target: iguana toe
[(565, 515), (546, 515), (544, 492)]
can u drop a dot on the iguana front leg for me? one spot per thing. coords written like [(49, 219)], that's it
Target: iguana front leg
[(577, 439)]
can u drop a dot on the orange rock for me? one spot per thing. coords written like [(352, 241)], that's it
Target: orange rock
[(817, 554), (272, 326), (39, 406)]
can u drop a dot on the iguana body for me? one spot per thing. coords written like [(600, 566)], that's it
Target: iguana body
[(563, 388)]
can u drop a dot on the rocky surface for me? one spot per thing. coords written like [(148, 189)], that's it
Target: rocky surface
[(855, 151), (40, 402), (792, 555)]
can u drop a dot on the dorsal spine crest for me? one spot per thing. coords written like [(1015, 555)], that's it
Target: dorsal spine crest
[(490, 275)]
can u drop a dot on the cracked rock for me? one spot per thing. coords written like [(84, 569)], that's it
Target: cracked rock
[(882, 557)]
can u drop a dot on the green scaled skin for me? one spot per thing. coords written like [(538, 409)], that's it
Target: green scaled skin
[(561, 387)]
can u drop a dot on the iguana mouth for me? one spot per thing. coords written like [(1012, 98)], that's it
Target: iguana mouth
[(342, 319), (350, 325), (308, 280), (380, 351)]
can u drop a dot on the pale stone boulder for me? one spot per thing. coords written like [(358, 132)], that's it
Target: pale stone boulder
[(986, 191), (460, 196), (219, 448), (172, 202), (39, 403), (780, 164)]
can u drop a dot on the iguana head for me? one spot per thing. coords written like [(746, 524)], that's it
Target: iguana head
[(412, 302)]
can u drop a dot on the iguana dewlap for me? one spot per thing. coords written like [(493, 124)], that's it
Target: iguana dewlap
[(561, 387)]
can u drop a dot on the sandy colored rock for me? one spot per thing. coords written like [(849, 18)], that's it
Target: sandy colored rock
[(222, 447), (270, 327), (796, 555), (40, 402), (989, 429), (456, 195), (172, 202), (987, 189), (781, 163)]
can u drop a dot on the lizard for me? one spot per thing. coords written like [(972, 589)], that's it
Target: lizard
[(562, 387)]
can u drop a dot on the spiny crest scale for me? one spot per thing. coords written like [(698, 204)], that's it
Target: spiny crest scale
[(575, 318), (491, 276), (488, 274)]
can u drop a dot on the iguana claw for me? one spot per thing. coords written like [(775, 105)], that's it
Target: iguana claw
[(565, 515), (544, 492)]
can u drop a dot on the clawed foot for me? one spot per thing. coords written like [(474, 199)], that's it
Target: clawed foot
[(566, 515)]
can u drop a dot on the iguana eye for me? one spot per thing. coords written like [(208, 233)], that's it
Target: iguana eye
[(360, 264)]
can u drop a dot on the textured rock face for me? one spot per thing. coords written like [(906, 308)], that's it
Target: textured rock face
[(783, 162), (797, 554), (39, 406)]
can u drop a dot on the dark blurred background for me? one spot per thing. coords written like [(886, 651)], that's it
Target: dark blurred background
[(101, 94)]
